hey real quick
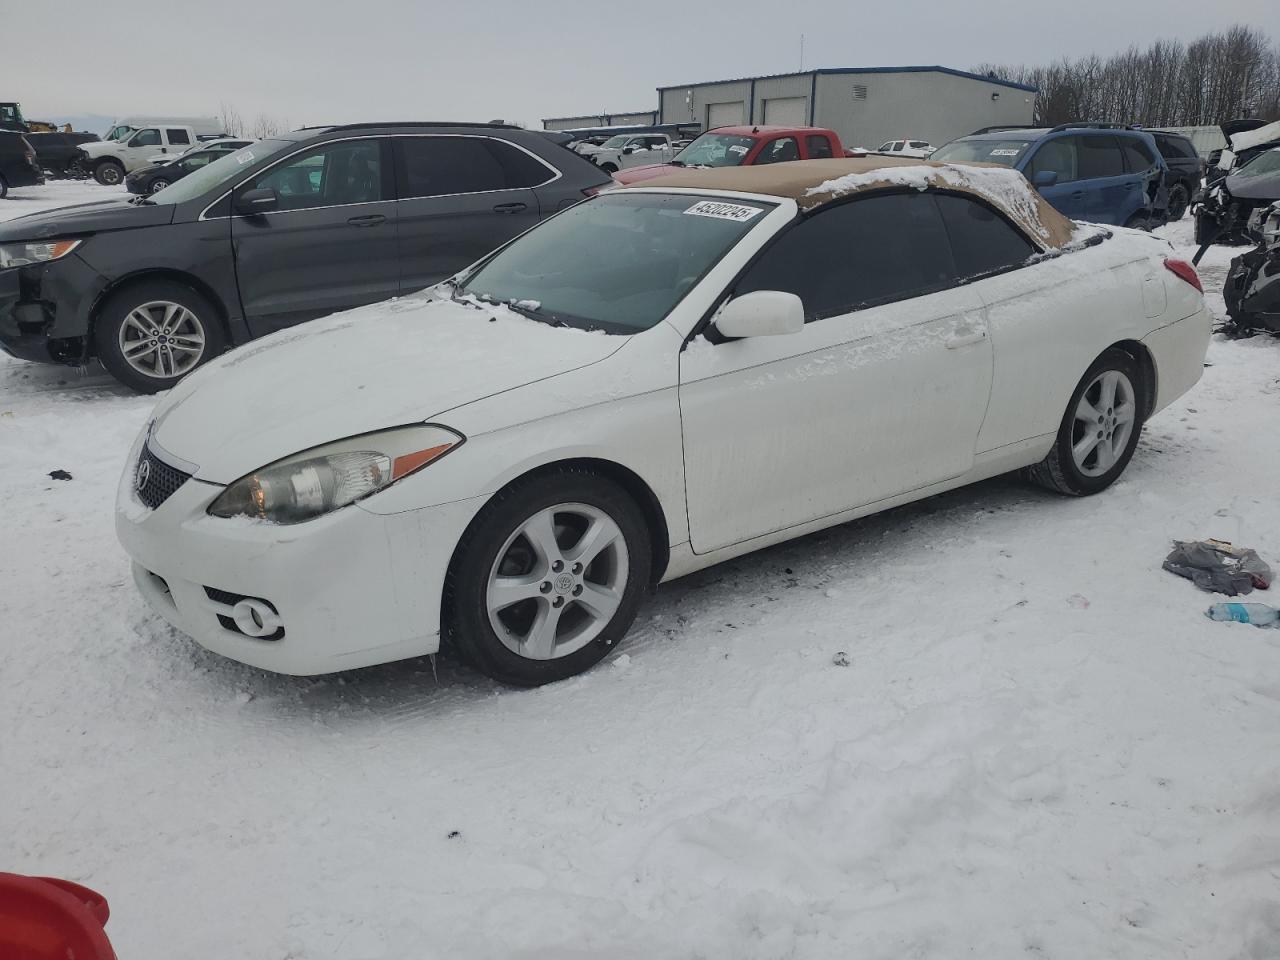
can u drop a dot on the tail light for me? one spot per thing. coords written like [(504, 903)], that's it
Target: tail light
[(1183, 271)]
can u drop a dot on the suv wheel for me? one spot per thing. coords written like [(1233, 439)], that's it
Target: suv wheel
[(151, 335), (108, 173), (1179, 198)]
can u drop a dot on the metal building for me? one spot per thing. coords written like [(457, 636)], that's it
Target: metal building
[(865, 105), (635, 118)]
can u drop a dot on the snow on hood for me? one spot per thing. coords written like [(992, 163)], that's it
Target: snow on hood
[(1006, 188), (1254, 138), (404, 361)]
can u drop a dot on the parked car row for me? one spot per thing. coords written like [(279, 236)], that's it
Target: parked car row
[(154, 177)]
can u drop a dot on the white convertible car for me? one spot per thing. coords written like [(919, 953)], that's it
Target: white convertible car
[(653, 381)]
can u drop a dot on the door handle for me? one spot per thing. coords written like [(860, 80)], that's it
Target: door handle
[(372, 220), (510, 207), (966, 338)]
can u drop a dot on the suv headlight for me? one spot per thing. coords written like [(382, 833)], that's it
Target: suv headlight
[(326, 478), (36, 251)]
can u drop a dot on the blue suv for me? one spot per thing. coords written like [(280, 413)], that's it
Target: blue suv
[(1096, 172)]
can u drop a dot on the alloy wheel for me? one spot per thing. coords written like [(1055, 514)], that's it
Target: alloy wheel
[(159, 185), (1104, 421), (162, 339), (557, 581)]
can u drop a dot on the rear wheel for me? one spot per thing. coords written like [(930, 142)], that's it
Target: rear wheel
[(1179, 198), (548, 578), (108, 173), (1099, 431), (152, 334)]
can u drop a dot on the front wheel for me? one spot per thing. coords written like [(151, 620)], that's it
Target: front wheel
[(158, 184), (109, 173), (548, 578), (152, 334), (1099, 430)]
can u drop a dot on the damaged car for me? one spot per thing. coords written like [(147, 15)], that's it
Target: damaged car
[(1224, 215), (1252, 290), (1216, 220)]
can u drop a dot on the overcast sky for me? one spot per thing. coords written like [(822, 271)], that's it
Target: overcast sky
[(327, 61)]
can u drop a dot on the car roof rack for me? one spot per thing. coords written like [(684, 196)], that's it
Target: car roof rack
[(1006, 126), (1095, 125), (424, 123)]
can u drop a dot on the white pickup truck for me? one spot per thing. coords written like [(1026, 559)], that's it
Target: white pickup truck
[(632, 150), (110, 160)]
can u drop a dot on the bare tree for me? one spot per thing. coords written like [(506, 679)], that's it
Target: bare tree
[(232, 122)]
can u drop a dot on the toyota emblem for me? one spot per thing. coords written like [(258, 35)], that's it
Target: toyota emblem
[(143, 475)]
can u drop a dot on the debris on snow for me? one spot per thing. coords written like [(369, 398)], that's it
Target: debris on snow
[(59, 475), (1218, 567), (841, 659)]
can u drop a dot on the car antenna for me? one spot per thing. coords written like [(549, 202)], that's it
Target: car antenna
[(755, 129)]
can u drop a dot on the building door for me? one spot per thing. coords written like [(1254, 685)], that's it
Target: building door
[(725, 114), (787, 111)]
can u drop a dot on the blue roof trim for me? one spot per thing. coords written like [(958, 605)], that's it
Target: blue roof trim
[(921, 69)]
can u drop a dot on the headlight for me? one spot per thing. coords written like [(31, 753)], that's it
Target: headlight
[(324, 478), (21, 254)]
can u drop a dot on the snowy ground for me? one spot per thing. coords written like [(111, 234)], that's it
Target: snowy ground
[(1039, 746)]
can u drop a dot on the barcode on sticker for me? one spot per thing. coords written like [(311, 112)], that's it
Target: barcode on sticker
[(723, 211)]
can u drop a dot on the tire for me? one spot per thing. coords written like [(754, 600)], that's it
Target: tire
[(495, 548), (108, 173), (1179, 199), (609, 168), (158, 184), (1139, 221), (1064, 472), (144, 307), (1204, 229)]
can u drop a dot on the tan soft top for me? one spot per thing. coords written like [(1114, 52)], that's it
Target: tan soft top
[(814, 183)]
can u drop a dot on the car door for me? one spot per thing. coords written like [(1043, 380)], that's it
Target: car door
[(882, 392), (330, 242), (460, 198), (1057, 157), (1112, 194), (141, 147)]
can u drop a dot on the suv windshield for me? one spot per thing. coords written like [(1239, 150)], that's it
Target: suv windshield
[(1007, 152), (1263, 163), (618, 263), (614, 143), (716, 150), (223, 170)]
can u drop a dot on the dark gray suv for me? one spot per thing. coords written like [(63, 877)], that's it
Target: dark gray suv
[(278, 233)]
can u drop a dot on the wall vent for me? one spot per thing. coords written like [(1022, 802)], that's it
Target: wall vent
[(859, 91)]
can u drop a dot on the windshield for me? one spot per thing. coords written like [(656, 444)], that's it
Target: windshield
[(1007, 152), (615, 143), (11, 113), (716, 150), (618, 263), (1262, 164), (119, 133), (223, 170)]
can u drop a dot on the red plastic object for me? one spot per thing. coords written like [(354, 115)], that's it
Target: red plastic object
[(46, 919), (1183, 271)]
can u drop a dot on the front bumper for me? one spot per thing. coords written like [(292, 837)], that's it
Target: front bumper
[(45, 308), (351, 588)]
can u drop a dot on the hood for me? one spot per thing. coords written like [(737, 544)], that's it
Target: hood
[(1265, 186), (646, 172), (1255, 137), (1230, 128), (96, 217), (386, 365)]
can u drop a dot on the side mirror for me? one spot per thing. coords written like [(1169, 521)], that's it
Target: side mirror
[(761, 313), (628, 149), (261, 200), (1045, 178)]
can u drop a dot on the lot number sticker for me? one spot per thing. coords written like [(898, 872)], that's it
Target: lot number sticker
[(1004, 152), (723, 211)]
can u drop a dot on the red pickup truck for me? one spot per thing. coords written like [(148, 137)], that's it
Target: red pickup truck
[(743, 146)]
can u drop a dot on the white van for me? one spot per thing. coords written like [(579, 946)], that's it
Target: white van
[(110, 160)]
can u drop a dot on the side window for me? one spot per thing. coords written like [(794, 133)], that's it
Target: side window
[(1057, 156), (1099, 156), (885, 147), (1137, 155), (819, 147), (898, 145), (177, 136), (146, 138), (779, 151), (982, 241), (438, 166), (655, 142), (918, 145), (330, 175), (873, 250)]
